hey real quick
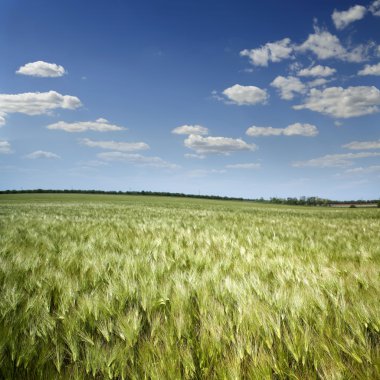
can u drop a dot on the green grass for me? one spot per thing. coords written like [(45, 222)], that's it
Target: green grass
[(123, 287)]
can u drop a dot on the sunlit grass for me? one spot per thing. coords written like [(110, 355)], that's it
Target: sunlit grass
[(159, 288)]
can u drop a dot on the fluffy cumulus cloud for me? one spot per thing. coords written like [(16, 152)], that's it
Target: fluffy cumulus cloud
[(335, 160), (42, 69), (296, 129), (190, 130), (36, 103), (299, 129), (343, 102), (137, 159), (325, 45), (99, 125), (362, 145), (116, 145), (317, 71), (322, 43), (264, 131), (245, 166), (219, 145), (375, 8), (344, 18), (370, 70), (41, 154), (246, 95), (288, 86), (270, 52), (5, 147)]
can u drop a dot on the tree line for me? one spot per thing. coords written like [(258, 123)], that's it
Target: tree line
[(301, 201)]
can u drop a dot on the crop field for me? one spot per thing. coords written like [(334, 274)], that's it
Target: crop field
[(138, 287)]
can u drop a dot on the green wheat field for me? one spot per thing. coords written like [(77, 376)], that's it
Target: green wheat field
[(139, 287)]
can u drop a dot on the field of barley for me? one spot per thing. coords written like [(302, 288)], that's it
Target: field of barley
[(138, 287)]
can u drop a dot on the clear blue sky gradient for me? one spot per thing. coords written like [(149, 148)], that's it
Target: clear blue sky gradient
[(152, 66)]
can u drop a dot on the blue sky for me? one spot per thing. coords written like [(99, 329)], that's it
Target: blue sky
[(242, 98)]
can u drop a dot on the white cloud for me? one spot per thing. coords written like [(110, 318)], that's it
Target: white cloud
[(370, 70), (375, 8), (317, 82), (366, 170), (288, 86), (2, 120), (99, 125), (270, 52), (264, 131), (317, 71), (116, 145), (137, 159), (296, 129), (294, 67), (42, 69), (193, 155), (344, 18), (246, 95), (360, 53), (322, 43), (359, 145), (334, 160), (246, 166), (36, 103), (42, 154), (215, 95), (343, 102), (190, 130), (325, 45), (220, 145), (5, 147)]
